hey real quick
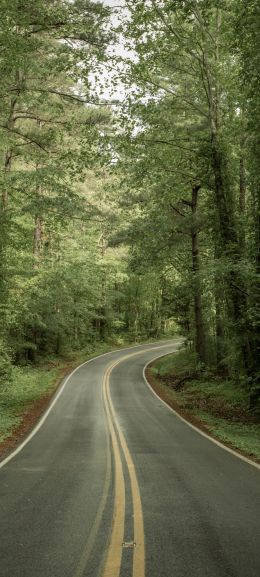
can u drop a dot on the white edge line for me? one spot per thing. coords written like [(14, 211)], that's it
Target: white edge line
[(56, 397), (218, 443)]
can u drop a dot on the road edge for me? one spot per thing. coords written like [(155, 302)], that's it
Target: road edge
[(199, 431)]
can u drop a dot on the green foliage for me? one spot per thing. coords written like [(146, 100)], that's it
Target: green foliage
[(183, 362), (28, 385), (137, 223), (51, 211), (6, 367), (188, 126)]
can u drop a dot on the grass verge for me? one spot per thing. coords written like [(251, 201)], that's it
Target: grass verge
[(219, 407)]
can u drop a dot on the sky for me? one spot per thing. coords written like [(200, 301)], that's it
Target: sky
[(110, 86), (112, 3)]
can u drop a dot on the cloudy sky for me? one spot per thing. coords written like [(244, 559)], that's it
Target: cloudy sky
[(110, 86), (113, 2)]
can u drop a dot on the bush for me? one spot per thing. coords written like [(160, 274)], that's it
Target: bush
[(6, 367)]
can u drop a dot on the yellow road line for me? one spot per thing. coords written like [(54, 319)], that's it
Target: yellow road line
[(114, 556), (139, 550)]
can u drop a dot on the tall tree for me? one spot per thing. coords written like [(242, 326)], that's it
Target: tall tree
[(184, 56)]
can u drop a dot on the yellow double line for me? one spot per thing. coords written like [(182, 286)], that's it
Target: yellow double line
[(114, 554)]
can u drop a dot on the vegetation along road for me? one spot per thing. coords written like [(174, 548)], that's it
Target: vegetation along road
[(129, 214), (112, 483)]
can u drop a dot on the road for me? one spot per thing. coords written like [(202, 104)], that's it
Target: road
[(114, 484)]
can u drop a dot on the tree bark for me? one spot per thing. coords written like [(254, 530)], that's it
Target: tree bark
[(226, 230), (200, 340), (38, 220), (242, 182), (10, 123), (242, 192), (221, 351), (37, 239)]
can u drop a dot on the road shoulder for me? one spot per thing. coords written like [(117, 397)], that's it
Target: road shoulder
[(169, 397)]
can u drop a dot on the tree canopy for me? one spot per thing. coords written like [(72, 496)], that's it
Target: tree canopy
[(138, 217)]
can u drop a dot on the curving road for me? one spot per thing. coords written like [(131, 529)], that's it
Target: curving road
[(113, 484)]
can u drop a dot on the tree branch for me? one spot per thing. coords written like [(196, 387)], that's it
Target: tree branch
[(66, 95), (169, 143), (30, 140), (187, 202), (239, 289), (177, 210)]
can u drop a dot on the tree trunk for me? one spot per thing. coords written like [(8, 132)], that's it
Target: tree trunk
[(38, 221), (199, 323), (242, 182), (10, 123), (254, 292), (5, 221), (102, 308), (242, 194), (7, 168), (37, 240), (221, 351), (226, 230)]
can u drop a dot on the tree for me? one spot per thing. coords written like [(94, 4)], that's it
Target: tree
[(246, 43), (49, 135), (185, 59)]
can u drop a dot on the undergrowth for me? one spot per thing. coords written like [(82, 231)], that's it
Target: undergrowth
[(222, 405)]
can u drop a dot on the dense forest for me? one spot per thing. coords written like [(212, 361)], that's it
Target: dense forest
[(135, 216)]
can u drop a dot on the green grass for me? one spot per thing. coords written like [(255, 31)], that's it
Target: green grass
[(29, 384), (242, 436), (221, 405), (182, 362)]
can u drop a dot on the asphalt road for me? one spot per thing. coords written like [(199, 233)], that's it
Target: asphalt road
[(114, 484)]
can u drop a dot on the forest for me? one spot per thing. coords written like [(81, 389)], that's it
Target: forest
[(130, 181)]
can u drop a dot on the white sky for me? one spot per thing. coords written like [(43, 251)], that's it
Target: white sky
[(113, 2), (110, 86)]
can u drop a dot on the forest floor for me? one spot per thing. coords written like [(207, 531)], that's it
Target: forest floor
[(218, 407)]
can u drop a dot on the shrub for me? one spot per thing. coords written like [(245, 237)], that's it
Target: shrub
[(6, 367)]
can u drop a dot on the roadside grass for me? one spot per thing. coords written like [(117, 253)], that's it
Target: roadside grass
[(220, 405), (29, 384), (181, 363)]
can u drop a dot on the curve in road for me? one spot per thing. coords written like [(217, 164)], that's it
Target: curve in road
[(115, 485)]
